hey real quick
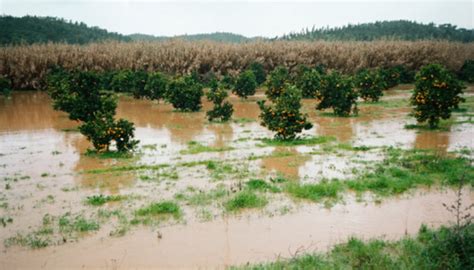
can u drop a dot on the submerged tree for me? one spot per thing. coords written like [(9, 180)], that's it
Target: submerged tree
[(221, 110)]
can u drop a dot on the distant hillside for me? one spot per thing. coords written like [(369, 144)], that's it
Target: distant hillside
[(32, 29), (218, 36), (398, 30)]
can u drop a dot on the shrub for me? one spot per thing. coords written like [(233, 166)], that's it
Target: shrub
[(130, 81), (245, 85), (258, 71), (308, 80), (185, 94), (5, 86), (406, 75), (390, 76), (284, 116), (155, 87), (337, 92), (222, 110), (437, 92), (370, 85), (276, 82), (79, 94), (228, 81), (467, 71)]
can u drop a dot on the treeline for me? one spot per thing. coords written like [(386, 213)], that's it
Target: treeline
[(217, 36), (394, 30), (32, 29)]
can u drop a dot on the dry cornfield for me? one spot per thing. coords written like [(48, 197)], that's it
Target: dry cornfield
[(27, 66)]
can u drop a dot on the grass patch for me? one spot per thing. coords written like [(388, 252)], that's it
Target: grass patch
[(316, 192), (196, 148), (445, 248), (201, 198), (160, 209), (244, 200), (97, 200), (108, 154), (261, 185), (78, 223), (298, 141)]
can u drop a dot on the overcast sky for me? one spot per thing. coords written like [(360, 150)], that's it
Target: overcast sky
[(250, 18)]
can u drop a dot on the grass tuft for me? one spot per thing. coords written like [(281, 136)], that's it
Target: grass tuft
[(245, 199)]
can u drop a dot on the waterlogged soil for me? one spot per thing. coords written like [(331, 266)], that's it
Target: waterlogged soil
[(181, 157)]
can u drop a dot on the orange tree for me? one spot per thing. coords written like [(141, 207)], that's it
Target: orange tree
[(437, 92), (185, 94), (337, 92), (5, 86), (284, 116), (246, 84), (276, 82), (79, 94), (155, 87), (370, 84), (308, 80), (222, 110)]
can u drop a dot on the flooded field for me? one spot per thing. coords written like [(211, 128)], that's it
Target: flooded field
[(50, 219)]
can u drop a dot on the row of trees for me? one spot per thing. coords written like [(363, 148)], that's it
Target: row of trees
[(82, 95), (399, 30)]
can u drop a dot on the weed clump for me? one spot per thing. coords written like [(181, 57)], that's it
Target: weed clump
[(245, 199), (160, 208)]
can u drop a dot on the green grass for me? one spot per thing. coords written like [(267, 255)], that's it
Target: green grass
[(261, 185), (97, 200), (196, 148), (108, 154), (298, 141), (244, 200), (445, 248), (201, 198), (160, 209), (78, 223), (316, 192)]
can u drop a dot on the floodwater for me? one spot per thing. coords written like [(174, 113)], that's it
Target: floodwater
[(43, 164)]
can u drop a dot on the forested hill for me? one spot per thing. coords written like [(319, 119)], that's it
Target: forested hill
[(398, 30), (217, 36), (32, 29)]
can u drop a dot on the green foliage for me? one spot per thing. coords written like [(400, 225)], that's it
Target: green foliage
[(228, 82), (185, 94), (308, 80), (276, 82), (467, 71), (155, 87), (101, 131), (245, 199), (284, 116), (246, 84), (337, 92), (5, 86), (97, 200), (383, 30), (79, 94), (160, 208), (222, 110), (390, 76), (370, 85), (437, 92), (78, 223), (130, 81), (32, 29), (315, 192), (259, 72)]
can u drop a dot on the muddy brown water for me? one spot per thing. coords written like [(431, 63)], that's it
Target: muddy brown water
[(36, 142)]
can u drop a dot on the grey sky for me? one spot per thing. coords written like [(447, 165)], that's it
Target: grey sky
[(250, 18)]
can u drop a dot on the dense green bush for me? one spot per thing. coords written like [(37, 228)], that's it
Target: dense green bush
[(337, 92), (5, 86), (185, 94), (390, 76), (467, 71), (156, 86), (228, 81), (276, 82), (406, 75), (284, 116), (130, 81), (370, 85), (437, 92), (259, 72), (246, 84), (221, 110), (308, 80), (80, 95)]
